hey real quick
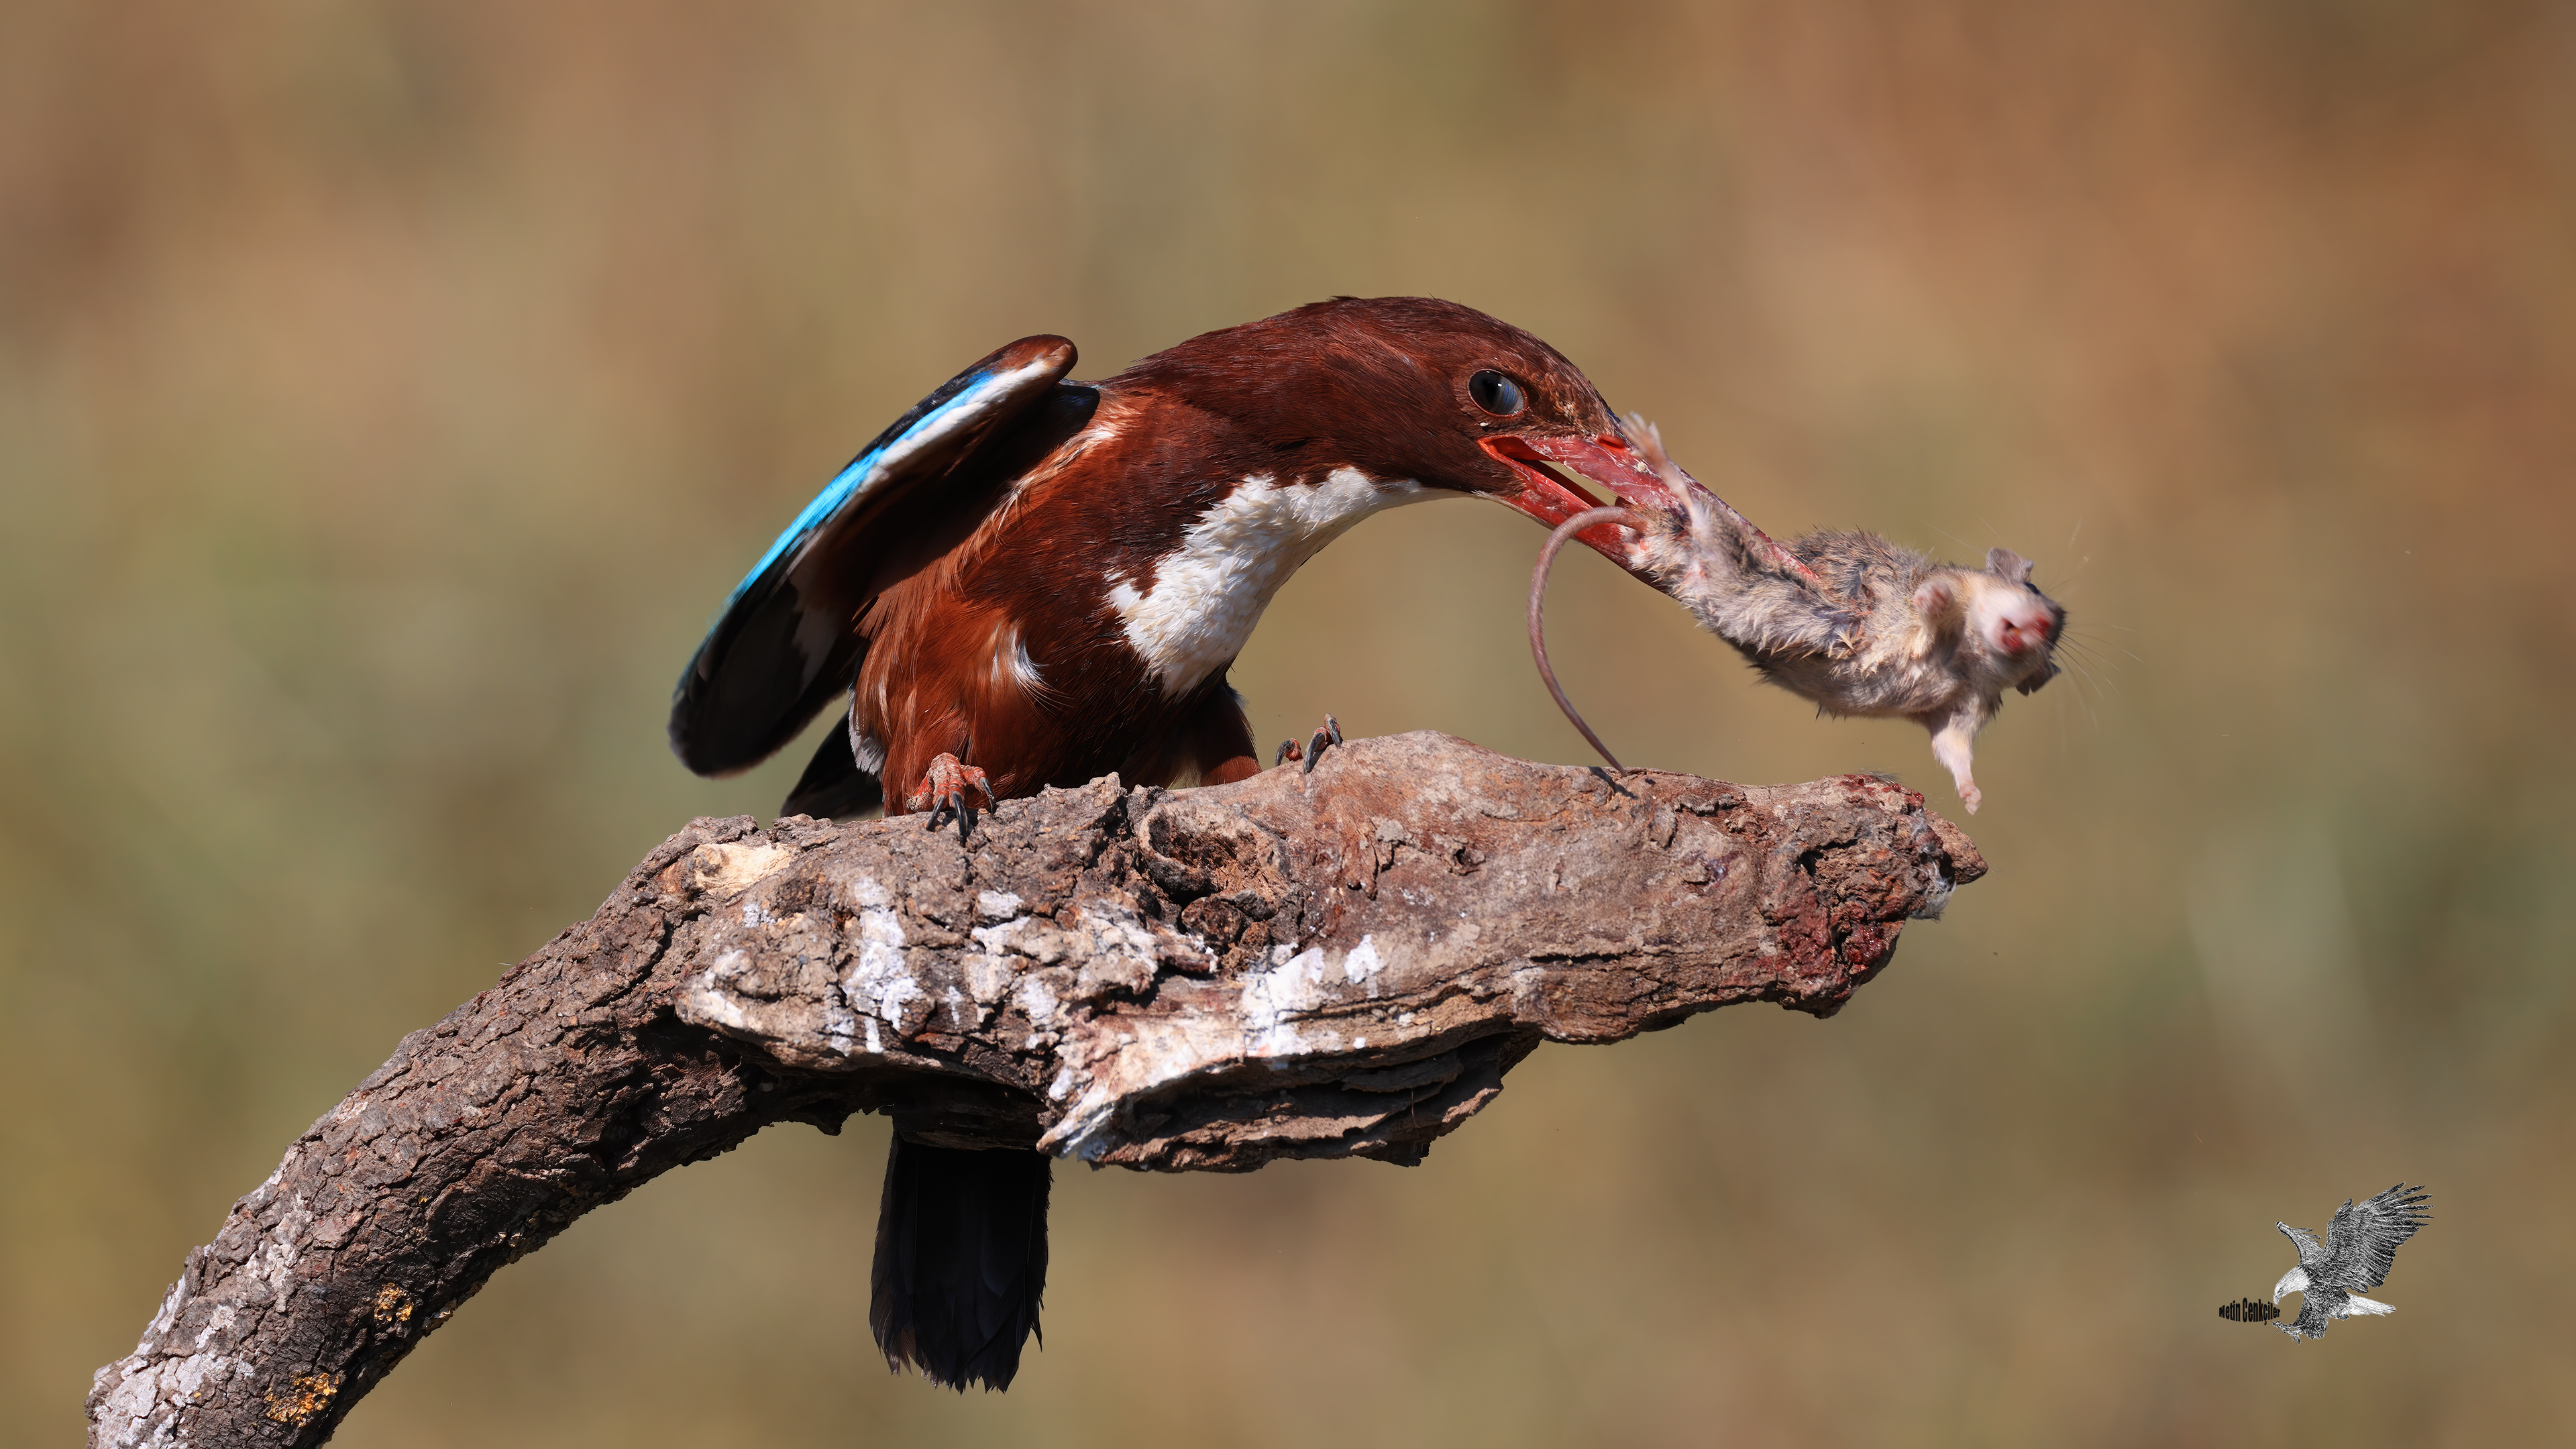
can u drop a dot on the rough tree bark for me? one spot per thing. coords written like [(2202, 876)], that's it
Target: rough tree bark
[(1337, 964)]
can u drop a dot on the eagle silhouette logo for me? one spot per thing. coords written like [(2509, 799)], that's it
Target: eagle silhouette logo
[(2360, 1245)]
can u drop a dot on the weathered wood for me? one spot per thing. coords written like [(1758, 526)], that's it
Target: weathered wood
[(1337, 964)]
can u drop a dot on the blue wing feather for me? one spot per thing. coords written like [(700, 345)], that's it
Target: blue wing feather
[(785, 643), (972, 396)]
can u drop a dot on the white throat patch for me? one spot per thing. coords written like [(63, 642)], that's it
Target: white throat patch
[(1210, 591)]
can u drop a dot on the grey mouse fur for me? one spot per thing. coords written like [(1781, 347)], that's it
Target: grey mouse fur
[(1850, 621)]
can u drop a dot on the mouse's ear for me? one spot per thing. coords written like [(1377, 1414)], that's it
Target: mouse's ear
[(1937, 600), (2007, 565)]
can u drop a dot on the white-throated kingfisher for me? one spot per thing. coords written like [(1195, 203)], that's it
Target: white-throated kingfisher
[(1028, 581)]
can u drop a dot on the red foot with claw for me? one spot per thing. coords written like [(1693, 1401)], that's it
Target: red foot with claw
[(944, 790), (1325, 738)]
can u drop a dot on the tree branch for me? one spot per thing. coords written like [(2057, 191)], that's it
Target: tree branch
[(1336, 964)]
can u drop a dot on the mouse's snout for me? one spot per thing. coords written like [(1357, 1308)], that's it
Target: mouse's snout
[(2018, 631)]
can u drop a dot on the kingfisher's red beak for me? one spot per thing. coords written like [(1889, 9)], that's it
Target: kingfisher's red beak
[(1608, 461)]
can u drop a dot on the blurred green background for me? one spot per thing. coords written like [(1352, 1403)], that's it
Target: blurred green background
[(389, 394)]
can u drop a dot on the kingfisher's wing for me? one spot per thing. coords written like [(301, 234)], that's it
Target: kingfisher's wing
[(2362, 1241), (786, 642)]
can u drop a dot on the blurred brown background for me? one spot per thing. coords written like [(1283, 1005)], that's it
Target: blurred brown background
[(389, 394)]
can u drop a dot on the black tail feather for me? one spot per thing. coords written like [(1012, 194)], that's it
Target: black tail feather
[(961, 1261), (833, 785)]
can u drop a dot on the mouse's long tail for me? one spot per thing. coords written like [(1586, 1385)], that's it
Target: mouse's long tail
[(1537, 611)]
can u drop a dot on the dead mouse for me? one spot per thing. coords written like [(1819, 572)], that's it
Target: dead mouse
[(1857, 624)]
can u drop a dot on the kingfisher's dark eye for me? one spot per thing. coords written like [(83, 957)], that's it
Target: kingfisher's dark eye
[(1496, 394)]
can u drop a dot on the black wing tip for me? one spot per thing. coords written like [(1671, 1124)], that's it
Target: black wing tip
[(724, 723), (689, 746), (693, 729), (714, 755), (701, 746), (686, 731)]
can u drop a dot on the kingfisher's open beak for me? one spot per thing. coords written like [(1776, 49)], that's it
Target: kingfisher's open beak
[(1608, 461), (1637, 484)]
